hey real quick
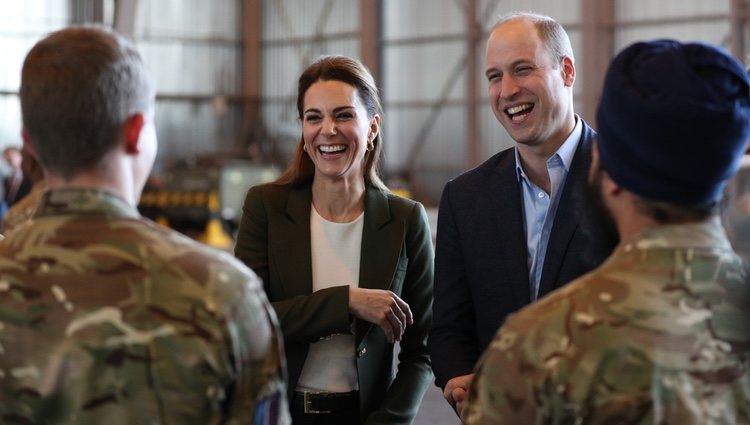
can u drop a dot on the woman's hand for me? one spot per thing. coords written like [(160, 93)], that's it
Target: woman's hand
[(383, 308)]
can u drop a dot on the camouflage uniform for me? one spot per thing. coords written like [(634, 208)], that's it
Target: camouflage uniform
[(659, 334), (108, 318)]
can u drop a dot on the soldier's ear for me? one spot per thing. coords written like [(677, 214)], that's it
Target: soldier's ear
[(132, 132), (609, 186)]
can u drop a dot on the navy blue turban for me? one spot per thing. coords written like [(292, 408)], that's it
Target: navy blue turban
[(674, 120)]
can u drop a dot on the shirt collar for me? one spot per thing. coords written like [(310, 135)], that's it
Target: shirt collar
[(565, 152)]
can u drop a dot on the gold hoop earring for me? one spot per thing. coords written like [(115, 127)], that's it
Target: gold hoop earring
[(370, 146), (304, 147)]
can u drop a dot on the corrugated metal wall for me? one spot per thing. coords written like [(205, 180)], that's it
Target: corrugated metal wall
[(425, 85), (194, 50), (424, 80), (22, 23), (295, 32), (684, 20), (192, 47)]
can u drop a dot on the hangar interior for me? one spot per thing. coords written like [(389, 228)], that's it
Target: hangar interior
[(226, 70), (226, 73)]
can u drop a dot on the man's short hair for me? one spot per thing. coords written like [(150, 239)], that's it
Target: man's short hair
[(552, 34), (78, 87)]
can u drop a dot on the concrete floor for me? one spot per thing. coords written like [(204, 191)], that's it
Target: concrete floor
[(435, 410)]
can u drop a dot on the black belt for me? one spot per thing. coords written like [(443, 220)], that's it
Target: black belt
[(316, 402)]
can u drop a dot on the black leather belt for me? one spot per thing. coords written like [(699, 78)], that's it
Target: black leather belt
[(317, 402)]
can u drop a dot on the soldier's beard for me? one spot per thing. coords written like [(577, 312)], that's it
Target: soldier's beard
[(597, 213)]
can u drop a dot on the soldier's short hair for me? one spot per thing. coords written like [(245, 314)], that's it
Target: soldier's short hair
[(665, 212), (78, 87)]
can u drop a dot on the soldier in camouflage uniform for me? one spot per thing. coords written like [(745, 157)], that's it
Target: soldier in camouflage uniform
[(660, 333), (106, 317)]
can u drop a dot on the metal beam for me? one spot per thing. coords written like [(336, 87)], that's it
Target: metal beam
[(316, 39), (252, 78), (473, 34), (371, 24), (435, 109), (739, 16), (671, 20), (227, 42), (598, 50), (124, 20), (86, 11), (425, 39)]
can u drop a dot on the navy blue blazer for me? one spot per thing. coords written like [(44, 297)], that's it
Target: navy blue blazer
[(481, 269)]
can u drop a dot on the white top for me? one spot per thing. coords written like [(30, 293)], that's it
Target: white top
[(336, 248)]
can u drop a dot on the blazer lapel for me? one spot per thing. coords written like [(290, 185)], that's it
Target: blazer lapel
[(292, 243), (505, 199), (382, 240), (568, 215)]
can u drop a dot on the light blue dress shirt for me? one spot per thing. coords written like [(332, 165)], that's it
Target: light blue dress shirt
[(540, 207)]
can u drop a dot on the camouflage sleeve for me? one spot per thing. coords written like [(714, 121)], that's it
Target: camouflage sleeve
[(518, 378), (502, 391), (259, 393), (555, 362)]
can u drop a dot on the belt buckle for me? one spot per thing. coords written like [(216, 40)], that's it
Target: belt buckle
[(308, 402)]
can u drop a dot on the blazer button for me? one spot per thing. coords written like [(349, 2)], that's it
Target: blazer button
[(361, 352)]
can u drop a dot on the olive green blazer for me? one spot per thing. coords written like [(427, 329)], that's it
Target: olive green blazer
[(397, 254)]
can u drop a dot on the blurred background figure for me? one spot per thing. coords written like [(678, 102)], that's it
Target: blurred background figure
[(737, 214), (16, 184), (24, 208)]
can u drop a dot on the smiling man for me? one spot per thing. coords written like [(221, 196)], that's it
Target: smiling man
[(511, 230)]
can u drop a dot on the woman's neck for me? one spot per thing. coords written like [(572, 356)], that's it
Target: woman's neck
[(338, 201)]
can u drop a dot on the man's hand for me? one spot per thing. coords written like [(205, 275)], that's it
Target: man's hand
[(455, 392), (383, 308)]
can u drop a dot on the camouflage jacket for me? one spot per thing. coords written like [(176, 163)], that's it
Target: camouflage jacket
[(659, 334), (108, 318)]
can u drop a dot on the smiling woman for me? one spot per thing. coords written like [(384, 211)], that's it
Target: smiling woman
[(337, 133), (347, 265)]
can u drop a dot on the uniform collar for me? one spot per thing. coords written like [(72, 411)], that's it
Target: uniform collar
[(706, 234), (84, 201)]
